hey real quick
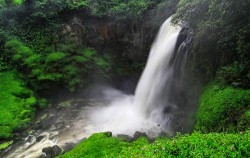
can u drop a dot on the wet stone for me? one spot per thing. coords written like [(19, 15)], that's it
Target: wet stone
[(38, 139), (125, 137), (29, 139), (51, 152), (60, 125), (68, 146), (139, 134)]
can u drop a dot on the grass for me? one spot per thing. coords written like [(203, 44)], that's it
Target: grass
[(217, 145)]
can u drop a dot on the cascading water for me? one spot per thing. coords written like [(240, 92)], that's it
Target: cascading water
[(155, 105), (154, 76), (146, 111)]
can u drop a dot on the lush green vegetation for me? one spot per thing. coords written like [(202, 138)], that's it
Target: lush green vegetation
[(16, 104), (55, 68), (223, 109), (221, 40), (194, 145), (40, 52)]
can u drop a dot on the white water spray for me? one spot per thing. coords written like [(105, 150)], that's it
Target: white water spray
[(142, 112), (152, 79)]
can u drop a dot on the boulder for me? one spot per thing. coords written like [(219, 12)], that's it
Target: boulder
[(51, 152), (139, 134)]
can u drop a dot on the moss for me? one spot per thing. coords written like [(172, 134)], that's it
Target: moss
[(16, 104), (221, 108), (194, 145)]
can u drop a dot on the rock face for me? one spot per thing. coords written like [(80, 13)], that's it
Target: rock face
[(129, 36), (127, 40)]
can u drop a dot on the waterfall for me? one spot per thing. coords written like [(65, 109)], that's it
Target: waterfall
[(156, 107), (155, 74), (157, 96)]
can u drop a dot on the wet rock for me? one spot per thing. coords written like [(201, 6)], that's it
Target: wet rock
[(51, 152), (29, 139), (68, 146), (60, 125), (125, 137), (38, 139), (139, 134), (108, 134), (43, 155)]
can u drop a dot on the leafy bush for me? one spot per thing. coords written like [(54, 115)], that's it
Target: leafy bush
[(194, 145), (16, 104), (222, 109)]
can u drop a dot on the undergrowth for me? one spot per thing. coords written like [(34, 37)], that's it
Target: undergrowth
[(218, 145)]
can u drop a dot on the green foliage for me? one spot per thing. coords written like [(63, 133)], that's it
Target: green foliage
[(194, 145), (98, 145), (119, 8), (16, 104), (5, 145), (16, 54), (221, 36), (55, 68), (222, 109), (17, 2), (33, 60), (55, 57), (236, 75)]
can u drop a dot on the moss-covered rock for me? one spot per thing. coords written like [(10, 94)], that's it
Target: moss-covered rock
[(98, 145)]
